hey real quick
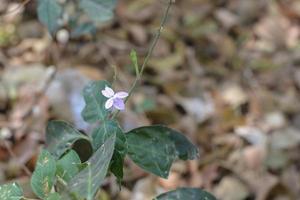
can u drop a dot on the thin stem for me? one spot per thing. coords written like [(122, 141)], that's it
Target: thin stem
[(23, 4), (152, 46), (149, 53), (24, 198), (61, 181), (156, 38), (64, 184), (13, 155)]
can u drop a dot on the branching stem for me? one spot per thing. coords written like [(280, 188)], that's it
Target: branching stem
[(149, 53)]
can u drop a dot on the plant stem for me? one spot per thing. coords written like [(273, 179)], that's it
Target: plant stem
[(151, 48), (149, 53), (24, 198), (16, 9)]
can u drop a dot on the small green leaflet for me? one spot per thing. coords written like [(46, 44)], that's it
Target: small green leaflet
[(94, 109), (86, 183), (134, 61), (186, 193), (49, 12), (98, 10), (53, 196), (43, 177), (68, 166), (60, 136), (11, 192)]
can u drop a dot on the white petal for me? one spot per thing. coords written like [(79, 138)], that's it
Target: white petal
[(121, 95), (109, 103), (108, 92)]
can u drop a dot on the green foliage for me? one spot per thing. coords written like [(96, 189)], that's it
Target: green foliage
[(98, 10), (68, 166), (82, 29), (134, 60), (116, 165), (151, 149), (185, 150), (104, 131), (53, 196), (163, 146), (11, 192), (60, 136), (86, 183), (94, 109), (49, 12), (186, 193), (43, 177)]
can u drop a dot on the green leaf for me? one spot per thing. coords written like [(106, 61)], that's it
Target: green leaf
[(83, 29), (98, 10), (53, 196), (43, 176), (11, 192), (60, 136), (186, 193), (151, 149), (87, 182), (104, 131), (68, 166), (116, 165), (134, 61), (163, 144), (94, 109), (49, 12), (184, 148)]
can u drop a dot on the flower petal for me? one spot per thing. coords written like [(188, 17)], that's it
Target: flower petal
[(121, 95), (109, 103), (119, 104), (108, 92)]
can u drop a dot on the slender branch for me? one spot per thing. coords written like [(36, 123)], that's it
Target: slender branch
[(16, 9), (13, 155), (149, 53)]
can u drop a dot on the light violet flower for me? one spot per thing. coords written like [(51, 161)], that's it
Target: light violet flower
[(115, 100)]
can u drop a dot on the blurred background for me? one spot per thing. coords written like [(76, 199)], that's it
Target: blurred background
[(225, 73)]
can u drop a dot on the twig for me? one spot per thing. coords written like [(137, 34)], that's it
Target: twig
[(17, 8), (149, 54), (12, 154), (24, 198)]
